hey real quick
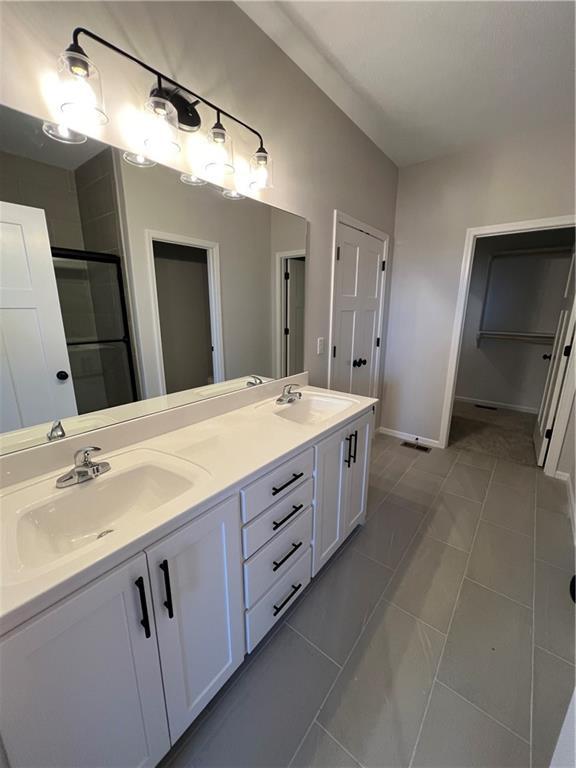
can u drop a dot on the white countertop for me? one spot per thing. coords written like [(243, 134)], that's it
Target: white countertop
[(231, 448)]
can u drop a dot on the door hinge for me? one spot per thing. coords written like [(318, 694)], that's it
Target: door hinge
[(383, 266), (338, 253), (333, 351), (286, 331), (286, 275), (378, 341), (548, 434), (567, 350)]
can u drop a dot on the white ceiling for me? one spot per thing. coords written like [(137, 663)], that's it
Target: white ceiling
[(424, 79)]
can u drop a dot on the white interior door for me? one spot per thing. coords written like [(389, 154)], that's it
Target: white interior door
[(563, 342), (295, 269), (35, 381), (357, 310)]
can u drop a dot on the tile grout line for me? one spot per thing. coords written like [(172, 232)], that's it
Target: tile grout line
[(464, 572), (413, 616), (501, 594), (533, 625), (549, 564), (555, 655), (316, 647), (335, 740), (484, 712)]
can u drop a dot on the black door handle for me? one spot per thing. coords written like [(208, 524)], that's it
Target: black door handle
[(62, 375), (546, 357), (348, 459), (363, 362), (145, 621), (355, 364), (355, 436), (278, 523), (279, 563), (278, 608), (295, 476), (168, 602)]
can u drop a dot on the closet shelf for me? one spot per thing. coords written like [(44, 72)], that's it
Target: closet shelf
[(527, 338)]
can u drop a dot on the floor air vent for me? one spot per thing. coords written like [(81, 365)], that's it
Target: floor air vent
[(416, 446), (486, 407)]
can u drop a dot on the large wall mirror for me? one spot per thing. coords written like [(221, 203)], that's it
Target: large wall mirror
[(124, 291)]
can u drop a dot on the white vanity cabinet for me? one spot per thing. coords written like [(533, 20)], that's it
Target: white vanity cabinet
[(342, 464), (196, 577), (81, 684)]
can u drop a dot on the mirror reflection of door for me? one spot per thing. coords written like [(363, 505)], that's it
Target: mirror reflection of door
[(293, 307), (184, 309)]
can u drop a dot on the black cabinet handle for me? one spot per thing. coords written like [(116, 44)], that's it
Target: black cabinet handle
[(348, 459), (278, 523), (279, 563), (295, 589), (295, 476), (62, 375), (168, 602), (353, 455), (145, 621), (546, 357)]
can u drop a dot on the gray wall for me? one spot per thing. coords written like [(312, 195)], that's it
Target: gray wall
[(530, 177), (510, 373), (567, 462), (39, 185), (322, 160), (98, 204)]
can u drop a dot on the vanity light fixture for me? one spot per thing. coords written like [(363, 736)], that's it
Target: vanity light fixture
[(61, 132), (135, 158), (170, 107), (192, 180), (80, 99)]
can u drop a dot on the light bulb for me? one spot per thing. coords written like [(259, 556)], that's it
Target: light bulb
[(232, 194), (161, 129), (80, 97), (219, 152), (192, 180), (138, 159), (261, 170), (62, 133)]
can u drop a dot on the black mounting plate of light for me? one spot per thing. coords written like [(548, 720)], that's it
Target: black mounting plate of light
[(188, 117)]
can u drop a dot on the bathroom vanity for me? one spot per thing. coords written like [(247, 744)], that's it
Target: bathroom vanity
[(129, 600)]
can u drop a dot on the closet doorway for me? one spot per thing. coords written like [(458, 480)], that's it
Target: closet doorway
[(291, 300), (515, 338)]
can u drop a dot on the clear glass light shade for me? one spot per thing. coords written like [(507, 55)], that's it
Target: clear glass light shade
[(219, 153), (261, 171), (138, 159), (161, 129), (232, 194), (62, 133), (192, 180), (80, 99)]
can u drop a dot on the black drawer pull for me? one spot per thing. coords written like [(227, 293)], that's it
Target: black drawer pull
[(295, 589), (353, 455), (168, 602), (348, 459), (295, 476), (279, 523), (145, 621), (279, 563)]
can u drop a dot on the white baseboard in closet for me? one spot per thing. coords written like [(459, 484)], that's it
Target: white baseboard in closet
[(411, 438)]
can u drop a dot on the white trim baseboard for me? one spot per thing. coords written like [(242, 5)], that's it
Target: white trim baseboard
[(565, 476), (412, 438), (496, 404)]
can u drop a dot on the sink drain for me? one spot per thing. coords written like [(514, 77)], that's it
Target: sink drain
[(105, 533)]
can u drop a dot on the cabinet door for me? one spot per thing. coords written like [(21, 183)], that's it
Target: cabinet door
[(331, 491), (81, 684), (357, 488), (196, 577)]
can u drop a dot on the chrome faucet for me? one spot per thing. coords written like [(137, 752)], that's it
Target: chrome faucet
[(289, 395), (254, 380), (84, 468), (56, 431)]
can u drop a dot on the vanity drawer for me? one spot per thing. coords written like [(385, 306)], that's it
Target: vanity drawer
[(277, 518), (278, 483), (276, 602), (276, 558)]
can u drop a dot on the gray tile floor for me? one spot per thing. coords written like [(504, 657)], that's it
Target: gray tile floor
[(441, 634)]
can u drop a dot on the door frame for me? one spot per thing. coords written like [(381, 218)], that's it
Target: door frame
[(280, 258), (472, 234), (340, 217), (213, 262)]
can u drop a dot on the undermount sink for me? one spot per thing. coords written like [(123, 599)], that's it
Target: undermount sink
[(47, 524), (312, 408)]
